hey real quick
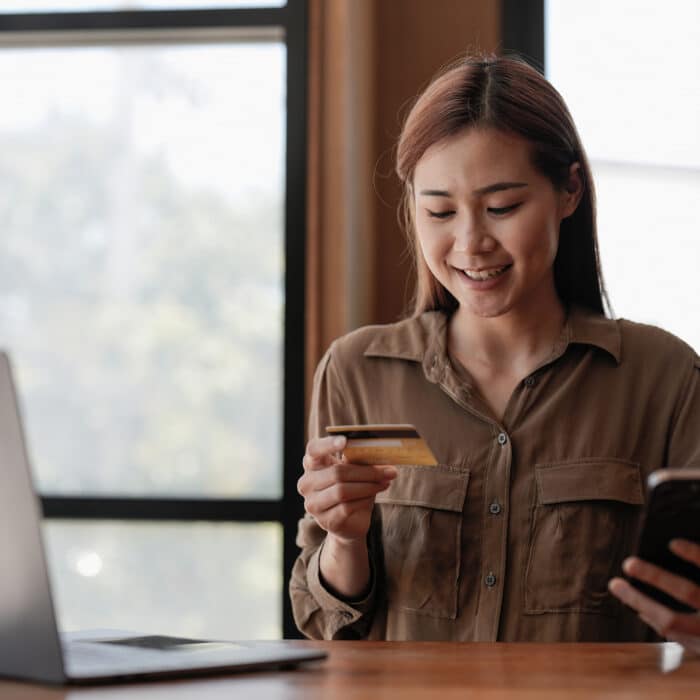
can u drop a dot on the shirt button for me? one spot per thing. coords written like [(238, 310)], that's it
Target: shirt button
[(502, 439), (530, 381), (490, 579), (495, 508)]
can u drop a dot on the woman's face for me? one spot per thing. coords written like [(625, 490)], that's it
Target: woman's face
[(488, 222)]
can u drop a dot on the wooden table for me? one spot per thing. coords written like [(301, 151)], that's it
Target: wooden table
[(440, 670)]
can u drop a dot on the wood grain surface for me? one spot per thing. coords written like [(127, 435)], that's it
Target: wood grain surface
[(442, 670)]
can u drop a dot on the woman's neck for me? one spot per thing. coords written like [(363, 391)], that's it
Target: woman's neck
[(514, 341)]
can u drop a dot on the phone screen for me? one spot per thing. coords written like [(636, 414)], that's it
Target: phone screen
[(673, 512)]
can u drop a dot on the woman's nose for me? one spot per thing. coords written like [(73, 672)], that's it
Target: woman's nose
[(471, 237)]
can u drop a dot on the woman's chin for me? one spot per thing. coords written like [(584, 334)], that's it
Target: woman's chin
[(486, 308)]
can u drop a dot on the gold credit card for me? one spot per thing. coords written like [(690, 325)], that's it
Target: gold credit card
[(384, 444)]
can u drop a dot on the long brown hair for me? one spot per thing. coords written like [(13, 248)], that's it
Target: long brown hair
[(506, 93)]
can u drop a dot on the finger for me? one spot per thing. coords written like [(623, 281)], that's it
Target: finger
[(335, 519), (685, 625), (345, 472), (321, 501), (321, 479), (651, 612), (321, 452), (658, 616), (310, 463), (685, 549), (676, 625), (676, 586), (690, 643)]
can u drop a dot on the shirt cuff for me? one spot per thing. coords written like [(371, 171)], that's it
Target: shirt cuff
[(348, 610)]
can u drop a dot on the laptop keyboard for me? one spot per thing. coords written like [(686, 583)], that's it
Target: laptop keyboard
[(160, 642)]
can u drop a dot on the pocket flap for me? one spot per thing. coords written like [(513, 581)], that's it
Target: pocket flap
[(590, 480), (441, 487)]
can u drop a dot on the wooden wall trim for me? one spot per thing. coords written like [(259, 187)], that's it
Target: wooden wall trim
[(412, 45), (314, 253), (339, 242)]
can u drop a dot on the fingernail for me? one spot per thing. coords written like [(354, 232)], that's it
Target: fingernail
[(339, 442), (676, 546), (390, 472)]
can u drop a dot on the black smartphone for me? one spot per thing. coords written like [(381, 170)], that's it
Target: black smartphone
[(673, 512)]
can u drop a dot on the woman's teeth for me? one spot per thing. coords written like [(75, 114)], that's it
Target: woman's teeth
[(481, 275)]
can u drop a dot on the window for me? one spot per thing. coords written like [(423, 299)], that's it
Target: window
[(637, 107), (151, 298), (92, 5)]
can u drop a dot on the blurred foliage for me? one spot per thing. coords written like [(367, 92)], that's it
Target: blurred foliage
[(144, 318), (135, 582)]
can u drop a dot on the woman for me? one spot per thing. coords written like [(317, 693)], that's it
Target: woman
[(545, 416)]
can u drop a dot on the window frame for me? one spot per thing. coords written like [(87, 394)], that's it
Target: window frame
[(292, 19), (522, 29)]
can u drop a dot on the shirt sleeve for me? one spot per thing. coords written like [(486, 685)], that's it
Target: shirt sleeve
[(318, 613), (684, 443)]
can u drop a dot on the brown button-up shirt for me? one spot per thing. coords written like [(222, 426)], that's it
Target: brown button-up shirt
[(515, 534)]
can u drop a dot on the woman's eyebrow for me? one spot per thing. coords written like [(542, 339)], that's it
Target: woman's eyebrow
[(435, 193), (499, 187), (488, 189)]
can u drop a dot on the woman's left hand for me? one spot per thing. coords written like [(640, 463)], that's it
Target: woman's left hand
[(680, 627)]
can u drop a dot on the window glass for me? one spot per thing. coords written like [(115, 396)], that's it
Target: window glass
[(637, 107), (12, 6), (217, 581), (142, 274)]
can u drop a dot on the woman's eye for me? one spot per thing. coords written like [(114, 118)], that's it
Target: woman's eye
[(499, 211), (440, 214)]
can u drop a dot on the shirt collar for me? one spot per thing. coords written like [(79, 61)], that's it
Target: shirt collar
[(588, 328), (409, 339), (423, 339)]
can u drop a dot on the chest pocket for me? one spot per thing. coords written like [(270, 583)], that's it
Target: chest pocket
[(583, 525), (420, 517)]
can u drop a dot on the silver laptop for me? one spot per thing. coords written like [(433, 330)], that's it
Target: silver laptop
[(30, 644)]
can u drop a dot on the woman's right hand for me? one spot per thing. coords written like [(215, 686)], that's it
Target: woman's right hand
[(340, 495)]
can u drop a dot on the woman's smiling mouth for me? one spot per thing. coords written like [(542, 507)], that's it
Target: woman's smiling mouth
[(484, 274)]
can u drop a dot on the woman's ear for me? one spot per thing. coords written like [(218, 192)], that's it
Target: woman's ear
[(573, 191)]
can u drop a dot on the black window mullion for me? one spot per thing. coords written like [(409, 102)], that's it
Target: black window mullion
[(522, 29), (143, 19), (188, 509), (295, 277)]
